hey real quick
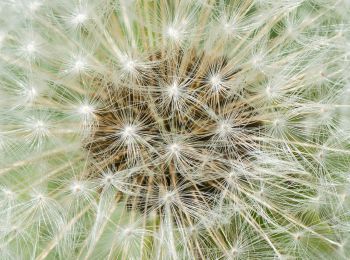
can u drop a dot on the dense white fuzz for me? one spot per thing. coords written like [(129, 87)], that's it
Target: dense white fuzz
[(29, 49), (79, 65), (188, 129), (128, 64), (86, 110), (176, 31), (173, 91), (215, 82), (224, 128), (36, 130), (77, 187), (174, 149), (30, 93), (129, 132), (79, 18), (173, 33), (86, 113)]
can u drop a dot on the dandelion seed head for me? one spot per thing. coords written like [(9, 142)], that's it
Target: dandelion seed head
[(174, 129)]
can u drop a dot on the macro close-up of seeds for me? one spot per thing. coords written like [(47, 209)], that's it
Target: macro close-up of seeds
[(175, 129)]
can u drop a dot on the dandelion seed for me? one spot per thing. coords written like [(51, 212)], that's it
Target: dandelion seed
[(79, 65), (29, 93), (77, 187), (130, 66), (257, 61), (38, 197), (39, 128), (129, 132), (216, 83), (224, 128), (30, 48), (173, 33), (174, 149), (107, 179), (79, 19), (86, 110), (174, 91)]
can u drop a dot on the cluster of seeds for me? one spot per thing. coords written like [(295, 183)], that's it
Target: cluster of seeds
[(183, 121), (174, 129)]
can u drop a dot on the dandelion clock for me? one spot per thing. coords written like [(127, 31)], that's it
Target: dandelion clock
[(174, 129)]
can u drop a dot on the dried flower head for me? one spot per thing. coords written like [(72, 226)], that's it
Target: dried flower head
[(185, 129)]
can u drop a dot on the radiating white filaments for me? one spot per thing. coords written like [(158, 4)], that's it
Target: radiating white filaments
[(224, 128), (173, 91), (79, 18), (173, 33), (189, 129), (86, 110), (174, 149), (129, 133)]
